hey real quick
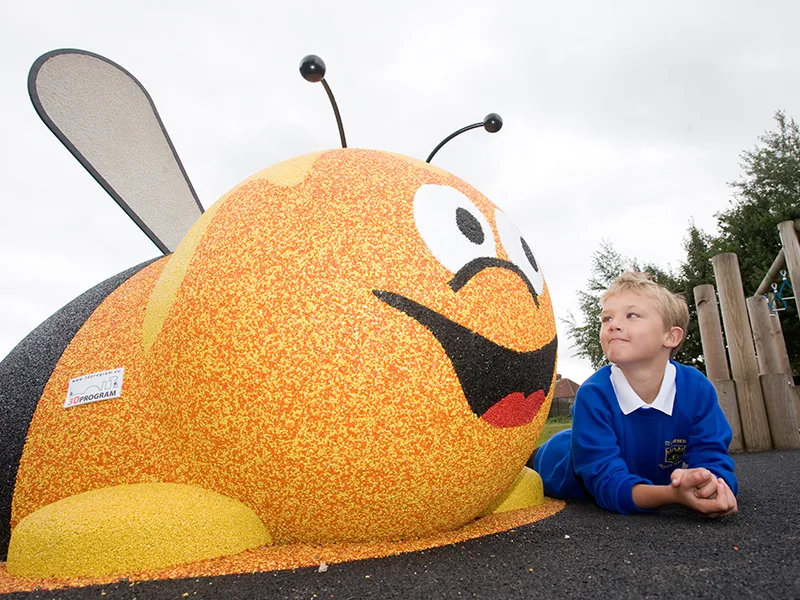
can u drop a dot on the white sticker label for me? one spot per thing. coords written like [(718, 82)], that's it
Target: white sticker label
[(95, 387)]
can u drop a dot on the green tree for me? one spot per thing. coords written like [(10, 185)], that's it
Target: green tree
[(767, 194)]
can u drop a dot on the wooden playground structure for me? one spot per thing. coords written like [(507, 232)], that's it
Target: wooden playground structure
[(757, 393)]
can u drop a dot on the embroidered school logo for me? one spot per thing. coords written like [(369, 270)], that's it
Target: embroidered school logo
[(673, 453)]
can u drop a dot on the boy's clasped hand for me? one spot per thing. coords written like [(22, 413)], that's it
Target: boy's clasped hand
[(700, 490)]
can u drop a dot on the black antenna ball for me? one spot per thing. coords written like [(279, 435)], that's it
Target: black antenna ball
[(312, 68), (491, 122)]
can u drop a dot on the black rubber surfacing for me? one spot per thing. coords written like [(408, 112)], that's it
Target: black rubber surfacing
[(582, 552)]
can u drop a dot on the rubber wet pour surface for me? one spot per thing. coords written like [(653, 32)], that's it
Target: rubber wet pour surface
[(580, 552)]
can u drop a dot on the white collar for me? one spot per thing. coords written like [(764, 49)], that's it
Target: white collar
[(629, 400)]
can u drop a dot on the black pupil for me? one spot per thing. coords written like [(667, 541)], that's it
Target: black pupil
[(469, 226), (529, 254)]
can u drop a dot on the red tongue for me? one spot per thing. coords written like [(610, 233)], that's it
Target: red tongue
[(514, 410)]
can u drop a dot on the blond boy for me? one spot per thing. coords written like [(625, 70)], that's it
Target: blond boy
[(636, 421)]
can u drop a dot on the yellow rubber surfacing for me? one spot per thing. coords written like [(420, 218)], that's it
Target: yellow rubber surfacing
[(131, 528), (274, 558)]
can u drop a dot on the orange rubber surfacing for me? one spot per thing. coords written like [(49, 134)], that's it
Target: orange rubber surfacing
[(293, 556)]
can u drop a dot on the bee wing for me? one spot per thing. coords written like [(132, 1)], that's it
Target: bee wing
[(108, 121)]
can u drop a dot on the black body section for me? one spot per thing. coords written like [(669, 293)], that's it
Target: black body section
[(23, 376)]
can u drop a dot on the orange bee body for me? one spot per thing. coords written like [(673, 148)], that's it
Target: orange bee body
[(349, 343)]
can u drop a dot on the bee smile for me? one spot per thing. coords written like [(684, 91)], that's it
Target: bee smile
[(504, 387)]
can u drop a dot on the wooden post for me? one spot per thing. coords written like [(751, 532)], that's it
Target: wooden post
[(779, 397), (767, 347), (781, 410), (726, 394), (791, 248), (781, 341), (755, 426), (705, 298)]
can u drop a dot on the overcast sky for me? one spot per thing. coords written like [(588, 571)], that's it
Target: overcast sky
[(623, 120)]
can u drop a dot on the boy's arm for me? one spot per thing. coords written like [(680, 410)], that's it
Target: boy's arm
[(649, 497), (707, 444), (596, 455)]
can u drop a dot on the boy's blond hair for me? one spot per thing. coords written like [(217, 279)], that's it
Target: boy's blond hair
[(672, 307)]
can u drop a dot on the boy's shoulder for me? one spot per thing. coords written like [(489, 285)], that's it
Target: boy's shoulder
[(597, 385), (690, 374), (692, 384), (601, 377)]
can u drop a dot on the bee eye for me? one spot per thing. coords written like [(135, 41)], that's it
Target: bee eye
[(452, 227), (518, 250), (469, 226)]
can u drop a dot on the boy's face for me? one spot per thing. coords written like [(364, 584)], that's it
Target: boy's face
[(632, 330)]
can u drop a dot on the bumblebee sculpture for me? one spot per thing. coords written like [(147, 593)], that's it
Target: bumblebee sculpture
[(349, 345)]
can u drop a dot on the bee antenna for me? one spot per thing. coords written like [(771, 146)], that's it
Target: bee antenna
[(491, 123), (312, 68)]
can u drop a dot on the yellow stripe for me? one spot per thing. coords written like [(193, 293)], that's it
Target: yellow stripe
[(286, 174), (166, 288)]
